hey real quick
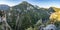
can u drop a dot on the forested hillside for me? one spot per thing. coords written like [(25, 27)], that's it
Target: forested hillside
[(26, 16)]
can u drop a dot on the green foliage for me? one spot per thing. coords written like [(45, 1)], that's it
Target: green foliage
[(38, 23), (57, 23), (29, 28), (28, 18)]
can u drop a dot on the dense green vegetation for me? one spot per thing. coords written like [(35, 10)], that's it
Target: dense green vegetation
[(28, 17)]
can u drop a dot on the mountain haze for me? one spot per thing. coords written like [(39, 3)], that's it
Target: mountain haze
[(4, 7)]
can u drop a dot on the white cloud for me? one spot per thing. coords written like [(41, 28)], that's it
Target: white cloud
[(8, 3)]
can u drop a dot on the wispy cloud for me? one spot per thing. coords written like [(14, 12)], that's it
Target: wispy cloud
[(10, 2), (41, 3)]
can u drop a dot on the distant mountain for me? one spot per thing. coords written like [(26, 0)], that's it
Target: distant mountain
[(56, 9), (4, 7), (27, 15), (51, 10), (34, 12), (26, 8)]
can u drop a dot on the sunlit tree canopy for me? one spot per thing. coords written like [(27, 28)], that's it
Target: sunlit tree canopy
[(56, 14)]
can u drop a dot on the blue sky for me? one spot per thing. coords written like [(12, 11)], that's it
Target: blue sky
[(40, 3)]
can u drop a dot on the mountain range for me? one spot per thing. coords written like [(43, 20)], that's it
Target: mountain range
[(26, 7), (4, 7), (28, 14)]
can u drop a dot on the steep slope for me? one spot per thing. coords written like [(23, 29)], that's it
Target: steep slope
[(51, 10), (56, 9), (28, 15), (25, 7)]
